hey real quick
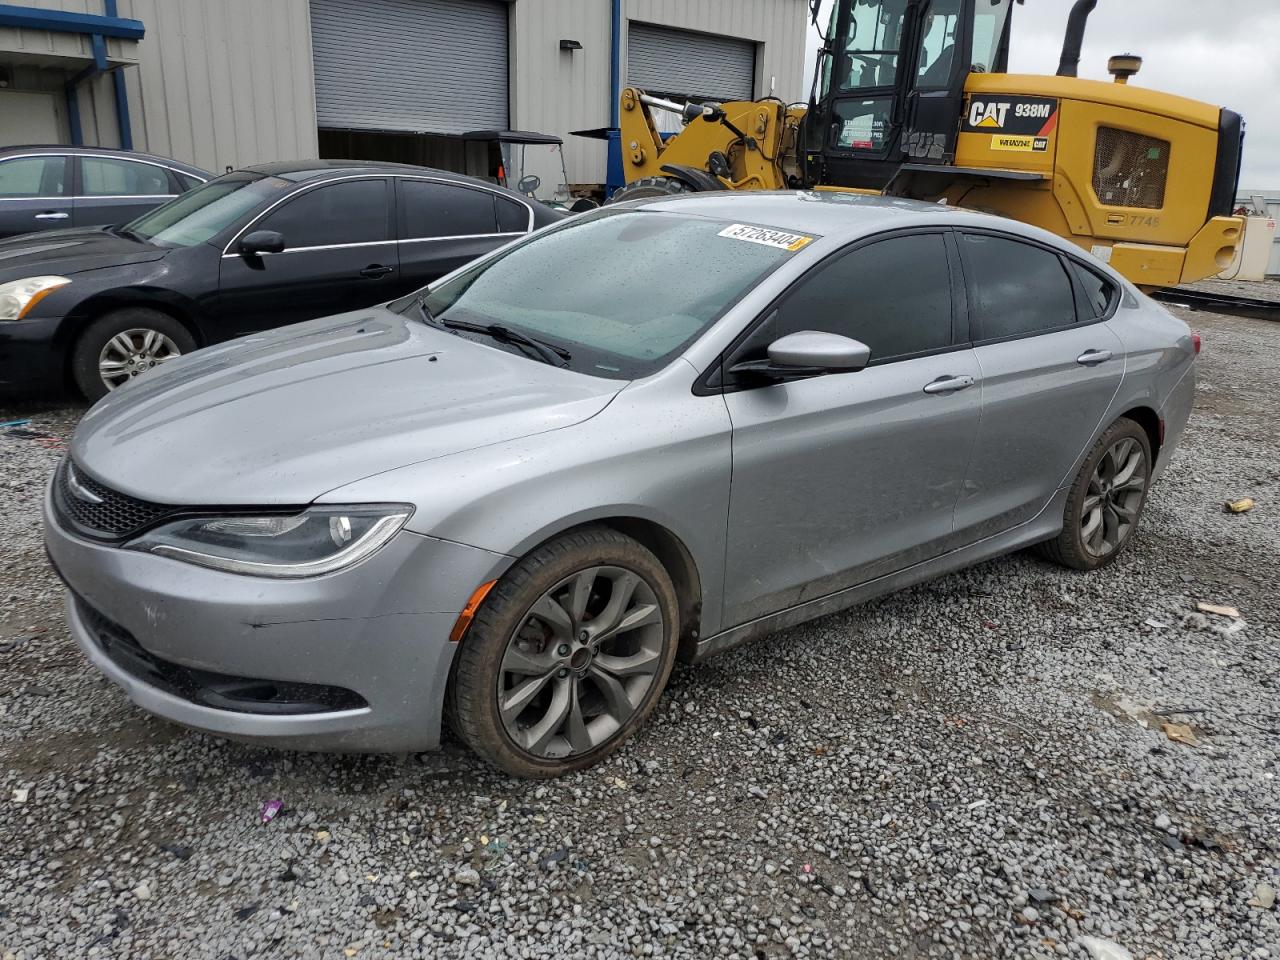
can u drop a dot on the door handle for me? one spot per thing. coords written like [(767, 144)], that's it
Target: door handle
[(52, 216), (949, 384), (375, 270), (1092, 358)]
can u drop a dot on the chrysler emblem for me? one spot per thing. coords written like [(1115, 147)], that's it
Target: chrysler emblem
[(81, 492)]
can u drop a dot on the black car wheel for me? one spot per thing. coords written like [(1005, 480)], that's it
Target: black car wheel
[(567, 655), (123, 345)]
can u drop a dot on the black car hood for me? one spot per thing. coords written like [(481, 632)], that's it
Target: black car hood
[(64, 252)]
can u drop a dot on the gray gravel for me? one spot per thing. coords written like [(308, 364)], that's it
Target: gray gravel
[(975, 767)]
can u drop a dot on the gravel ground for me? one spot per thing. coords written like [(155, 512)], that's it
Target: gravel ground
[(975, 767)]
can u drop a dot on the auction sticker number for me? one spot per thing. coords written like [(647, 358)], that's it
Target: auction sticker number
[(769, 238)]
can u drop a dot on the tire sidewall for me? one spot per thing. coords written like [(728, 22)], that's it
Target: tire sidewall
[(503, 612), (1076, 549), (89, 344)]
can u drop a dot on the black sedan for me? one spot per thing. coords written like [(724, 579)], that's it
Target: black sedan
[(46, 187), (261, 247)]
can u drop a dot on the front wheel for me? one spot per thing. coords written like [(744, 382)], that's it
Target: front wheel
[(123, 345), (567, 655), (1106, 499)]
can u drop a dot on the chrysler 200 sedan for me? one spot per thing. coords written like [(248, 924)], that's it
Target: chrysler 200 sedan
[(651, 431)]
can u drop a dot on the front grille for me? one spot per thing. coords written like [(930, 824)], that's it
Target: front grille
[(218, 690), (114, 516), (1129, 169)]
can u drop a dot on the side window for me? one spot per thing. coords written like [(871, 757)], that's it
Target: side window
[(352, 211), (513, 217), (185, 181), (109, 177), (1015, 289), (430, 209), (937, 50), (1099, 293), (894, 296), (33, 177)]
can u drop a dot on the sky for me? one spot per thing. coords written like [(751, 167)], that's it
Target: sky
[(1224, 52)]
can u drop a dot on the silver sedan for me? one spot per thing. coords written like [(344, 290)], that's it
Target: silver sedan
[(650, 432)]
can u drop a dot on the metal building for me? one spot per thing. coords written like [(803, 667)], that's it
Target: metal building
[(224, 83)]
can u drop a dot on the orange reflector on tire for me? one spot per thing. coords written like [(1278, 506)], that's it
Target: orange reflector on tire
[(469, 611)]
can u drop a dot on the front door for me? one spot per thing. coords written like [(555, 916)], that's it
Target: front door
[(1048, 379), (339, 255), (842, 478), (35, 194)]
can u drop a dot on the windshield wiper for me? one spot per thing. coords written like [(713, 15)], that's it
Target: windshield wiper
[(550, 353)]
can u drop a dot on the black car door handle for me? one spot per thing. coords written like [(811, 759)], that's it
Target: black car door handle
[(1092, 358), (375, 270), (948, 384)]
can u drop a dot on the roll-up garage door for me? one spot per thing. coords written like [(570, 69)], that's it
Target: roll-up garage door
[(425, 66), (697, 65)]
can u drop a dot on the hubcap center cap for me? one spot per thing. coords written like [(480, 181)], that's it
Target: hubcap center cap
[(581, 658)]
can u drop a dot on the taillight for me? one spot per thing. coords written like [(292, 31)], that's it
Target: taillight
[(1195, 342)]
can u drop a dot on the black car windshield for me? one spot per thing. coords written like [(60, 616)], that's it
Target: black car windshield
[(201, 214), (623, 291)]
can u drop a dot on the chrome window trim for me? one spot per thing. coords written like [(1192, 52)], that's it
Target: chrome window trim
[(469, 236), (318, 246), (307, 188), (104, 156), (496, 191)]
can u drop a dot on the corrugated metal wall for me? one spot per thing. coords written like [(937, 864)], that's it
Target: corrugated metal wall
[(555, 91), (223, 82)]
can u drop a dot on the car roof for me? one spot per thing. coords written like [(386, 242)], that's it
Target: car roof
[(303, 171), (832, 214), (64, 148)]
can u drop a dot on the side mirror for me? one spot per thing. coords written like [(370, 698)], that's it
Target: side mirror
[(808, 353), (261, 241), (529, 184)]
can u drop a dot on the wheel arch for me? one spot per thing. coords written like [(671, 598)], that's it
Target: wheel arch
[(676, 558), (99, 305), (1149, 420)]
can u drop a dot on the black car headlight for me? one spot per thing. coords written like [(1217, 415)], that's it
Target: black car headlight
[(317, 541)]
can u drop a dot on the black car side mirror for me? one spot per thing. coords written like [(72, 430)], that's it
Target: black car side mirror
[(261, 241)]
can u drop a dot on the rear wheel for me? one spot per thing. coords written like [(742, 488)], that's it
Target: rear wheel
[(651, 187), (567, 655), (1106, 499), (125, 344)]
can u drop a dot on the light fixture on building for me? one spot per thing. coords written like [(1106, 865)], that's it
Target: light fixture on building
[(570, 45)]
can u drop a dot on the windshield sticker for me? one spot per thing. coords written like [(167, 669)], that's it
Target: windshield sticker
[(770, 238)]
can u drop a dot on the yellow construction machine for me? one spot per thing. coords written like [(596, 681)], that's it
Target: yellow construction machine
[(911, 98)]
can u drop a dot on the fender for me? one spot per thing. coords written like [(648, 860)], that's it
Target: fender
[(698, 180)]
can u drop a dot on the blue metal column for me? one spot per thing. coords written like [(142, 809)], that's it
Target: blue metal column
[(613, 176), (122, 92), (73, 99)]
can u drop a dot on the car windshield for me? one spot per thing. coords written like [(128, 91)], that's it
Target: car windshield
[(622, 291), (201, 214)]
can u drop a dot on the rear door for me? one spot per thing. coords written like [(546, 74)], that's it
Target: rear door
[(35, 193), (114, 190), (1049, 373), (443, 225), (339, 255), (843, 478)]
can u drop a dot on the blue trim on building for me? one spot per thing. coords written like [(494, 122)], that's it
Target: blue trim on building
[(614, 177), (35, 18), (122, 91)]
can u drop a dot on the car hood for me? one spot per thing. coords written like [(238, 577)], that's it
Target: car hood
[(64, 252), (283, 417)]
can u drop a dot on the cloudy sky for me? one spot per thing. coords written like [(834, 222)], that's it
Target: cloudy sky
[(1225, 52)]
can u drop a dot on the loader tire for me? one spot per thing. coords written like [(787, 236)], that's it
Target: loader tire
[(651, 187)]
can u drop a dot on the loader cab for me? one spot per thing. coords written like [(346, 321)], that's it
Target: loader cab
[(891, 84)]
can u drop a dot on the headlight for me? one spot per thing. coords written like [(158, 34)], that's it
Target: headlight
[(316, 541), (19, 296)]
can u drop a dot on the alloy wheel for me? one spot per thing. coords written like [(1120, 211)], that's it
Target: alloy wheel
[(581, 663), (132, 353), (1113, 498)]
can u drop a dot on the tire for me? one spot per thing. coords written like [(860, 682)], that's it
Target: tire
[(537, 739), (1120, 503), (651, 187), (154, 336)]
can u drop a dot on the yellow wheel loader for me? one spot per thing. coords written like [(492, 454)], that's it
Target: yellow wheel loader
[(911, 98)]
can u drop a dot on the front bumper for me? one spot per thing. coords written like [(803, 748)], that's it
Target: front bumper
[(378, 630), (32, 358)]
